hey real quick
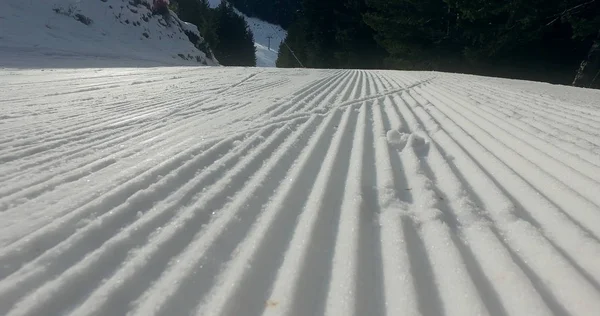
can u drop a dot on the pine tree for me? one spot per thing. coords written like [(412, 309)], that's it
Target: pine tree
[(199, 13), (356, 45), (417, 34), (332, 34), (530, 39), (295, 41), (236, 42), (226, 32)]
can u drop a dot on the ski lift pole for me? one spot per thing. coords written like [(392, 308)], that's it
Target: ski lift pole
[(269, 37)]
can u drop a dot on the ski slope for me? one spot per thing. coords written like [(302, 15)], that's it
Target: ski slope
[(231, 191), (264, 34)]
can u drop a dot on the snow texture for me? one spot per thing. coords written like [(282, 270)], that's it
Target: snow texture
[(246, 191), (75, 33)]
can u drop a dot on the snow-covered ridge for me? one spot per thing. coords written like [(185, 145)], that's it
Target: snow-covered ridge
[(242, 191), (99, 31)]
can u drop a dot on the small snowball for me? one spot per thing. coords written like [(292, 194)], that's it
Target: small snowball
[(393, 136), (397, 139)]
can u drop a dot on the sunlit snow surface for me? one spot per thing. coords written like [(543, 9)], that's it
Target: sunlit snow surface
[(231, 191), (49, 34)]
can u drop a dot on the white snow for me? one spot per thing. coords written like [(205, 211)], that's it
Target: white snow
[(247, 191), (266, 56), (120, 33), (267, 49)]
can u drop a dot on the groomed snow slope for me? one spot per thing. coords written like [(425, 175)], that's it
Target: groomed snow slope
[(224, 191)]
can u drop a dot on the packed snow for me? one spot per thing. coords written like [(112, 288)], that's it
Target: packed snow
[(69, 33), (232, 191)]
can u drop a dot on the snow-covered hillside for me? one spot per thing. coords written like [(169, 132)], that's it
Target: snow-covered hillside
[(262, 30), (231, 191), (113, 32)]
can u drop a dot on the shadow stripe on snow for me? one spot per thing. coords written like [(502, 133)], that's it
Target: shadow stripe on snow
[(498, 264), (65, 254), (308, 256), (111, 294), (209, 252), (278, 219), (61, 228), (302, 94), (326, 96), (318, 94), (164, 243), (583, 210), (537, 252)]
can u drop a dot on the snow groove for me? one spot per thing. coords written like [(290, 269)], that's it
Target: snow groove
[(232, 191)]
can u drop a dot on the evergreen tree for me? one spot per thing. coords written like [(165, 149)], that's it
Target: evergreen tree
[(236, 42), (332, 34), (356, 45), (531, 39), (549, 40), (226, 32), (199, 13), (294, 44), (416, 34)]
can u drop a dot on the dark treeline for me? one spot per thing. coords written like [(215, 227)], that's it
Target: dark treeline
[(226, 33), (547, 40)]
